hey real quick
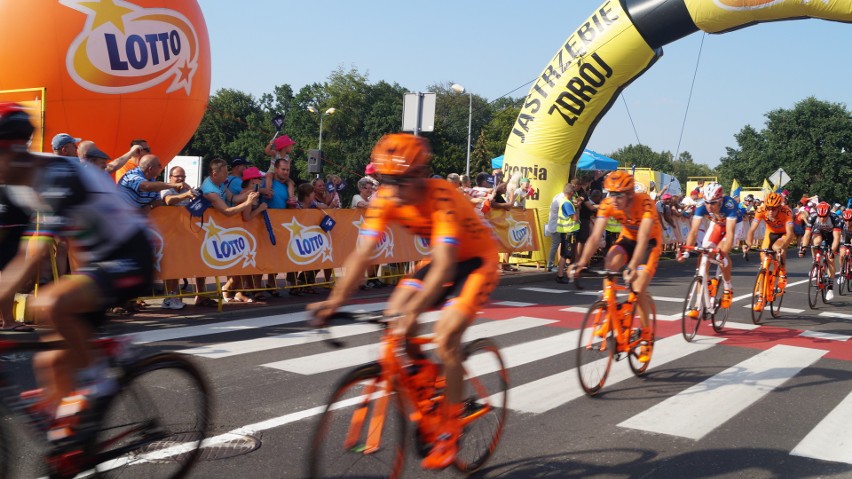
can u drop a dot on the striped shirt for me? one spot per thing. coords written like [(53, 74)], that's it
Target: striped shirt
[(128, 186)]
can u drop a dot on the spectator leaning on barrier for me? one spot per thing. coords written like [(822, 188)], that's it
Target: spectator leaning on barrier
[(365, 193), (252, 181), (283, 196), (175, 197), (139, 188), (89, 153), (213, 189)]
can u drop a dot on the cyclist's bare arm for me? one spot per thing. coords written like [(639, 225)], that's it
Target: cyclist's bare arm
[(788, 235), (692, 236), (597, 232), (355, 266), (728, 241), (750, 234)]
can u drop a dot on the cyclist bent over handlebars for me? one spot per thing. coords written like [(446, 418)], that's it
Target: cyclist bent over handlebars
[(638, 245), (464, 257)]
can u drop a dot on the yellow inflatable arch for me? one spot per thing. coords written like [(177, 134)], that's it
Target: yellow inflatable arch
[(618, 42)]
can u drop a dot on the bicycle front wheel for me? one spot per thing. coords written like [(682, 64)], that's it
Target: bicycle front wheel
[(154, 425), (813, 286), (638, 367), (775, 305), (692, 309), (486, 386), (362, 431), (596, 348), (720, 314), (841, 278), (758, 297)]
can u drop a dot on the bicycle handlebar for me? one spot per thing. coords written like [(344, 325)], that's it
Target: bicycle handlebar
[(759, 250), (372, 317)]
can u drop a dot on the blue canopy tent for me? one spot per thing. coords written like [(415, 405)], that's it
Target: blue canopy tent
[(497, 162), (591, 160)]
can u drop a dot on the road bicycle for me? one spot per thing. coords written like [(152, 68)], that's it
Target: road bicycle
[(767, 287), (818, 275), (610, 330), (844, 281), (363, 429), (703, 299), (152, 425)]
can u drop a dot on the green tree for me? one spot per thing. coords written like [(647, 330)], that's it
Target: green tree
[(811, 142)]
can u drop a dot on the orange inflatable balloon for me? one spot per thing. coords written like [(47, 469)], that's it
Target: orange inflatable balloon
[(108, 71)]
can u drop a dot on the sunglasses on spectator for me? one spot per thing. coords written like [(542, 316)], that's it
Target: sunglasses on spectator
[(178, 176)]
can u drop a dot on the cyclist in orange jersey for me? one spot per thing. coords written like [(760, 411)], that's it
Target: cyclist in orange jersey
[(464, 258), (779, 231), (639, 244)]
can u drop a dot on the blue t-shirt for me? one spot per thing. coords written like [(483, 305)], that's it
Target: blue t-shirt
[(280, 195), (568, 209), (129, 188), (207, 186), (728, 210), (235, 184)]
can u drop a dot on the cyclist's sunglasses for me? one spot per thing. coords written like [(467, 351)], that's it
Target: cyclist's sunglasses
[(617, 194), (712, 202), (398, 180)]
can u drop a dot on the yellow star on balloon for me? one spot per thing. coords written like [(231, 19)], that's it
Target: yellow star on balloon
[(106, 11)]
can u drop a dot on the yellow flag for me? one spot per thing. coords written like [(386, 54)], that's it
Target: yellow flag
[(767, 188), (736, 189)]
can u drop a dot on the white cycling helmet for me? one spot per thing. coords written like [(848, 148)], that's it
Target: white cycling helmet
[(713, 191)]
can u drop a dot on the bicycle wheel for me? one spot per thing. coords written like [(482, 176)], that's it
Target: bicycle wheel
[(841, 278), (352, 410), (154, 425), (823, 275), (813, 286), (775, 305), (720, 314), (486, 386), (692, 305), (638, 367), (596, 349), (758, 293)]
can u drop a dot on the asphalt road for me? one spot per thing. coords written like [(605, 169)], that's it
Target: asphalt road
[(765, 401)]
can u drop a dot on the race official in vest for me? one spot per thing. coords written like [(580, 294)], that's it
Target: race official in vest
[(567, 225)]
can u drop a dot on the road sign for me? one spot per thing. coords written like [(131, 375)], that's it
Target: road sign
[(779, 178), (418, 112)]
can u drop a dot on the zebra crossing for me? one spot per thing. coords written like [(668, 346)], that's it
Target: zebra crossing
[(549, 333)]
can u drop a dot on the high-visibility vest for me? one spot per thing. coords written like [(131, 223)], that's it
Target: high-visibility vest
[(566, 224), (613, 225)]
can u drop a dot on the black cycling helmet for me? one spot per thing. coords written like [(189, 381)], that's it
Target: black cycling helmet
[(14, 123)]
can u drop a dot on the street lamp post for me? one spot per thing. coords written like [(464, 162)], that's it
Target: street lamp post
[(330, 111), (460, 89)]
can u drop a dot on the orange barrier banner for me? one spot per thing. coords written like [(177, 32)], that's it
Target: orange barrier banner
[(225, 246)]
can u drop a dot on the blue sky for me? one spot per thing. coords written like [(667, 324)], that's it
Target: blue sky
[(494, 47)]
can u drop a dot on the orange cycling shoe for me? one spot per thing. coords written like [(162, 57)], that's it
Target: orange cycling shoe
[(727, 296), (446, 446), (692, 313), (759, 304), (645, 353), (782, 282)]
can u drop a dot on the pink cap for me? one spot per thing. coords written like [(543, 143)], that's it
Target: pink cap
[(251, 173), (283, 141), (370, 170), (666, 196)]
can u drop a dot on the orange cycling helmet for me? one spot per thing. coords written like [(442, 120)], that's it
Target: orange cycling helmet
[(618, 181), (394, 154), (847, 214), (773, 200), (822, 208)]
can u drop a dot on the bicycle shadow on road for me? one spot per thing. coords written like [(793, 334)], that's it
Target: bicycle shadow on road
[(729, 462)]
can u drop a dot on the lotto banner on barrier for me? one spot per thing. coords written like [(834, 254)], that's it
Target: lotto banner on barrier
[(225, 246)]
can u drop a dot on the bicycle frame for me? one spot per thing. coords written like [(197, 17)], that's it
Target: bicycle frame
[(702, 269), (615, 316), (393, 377)]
